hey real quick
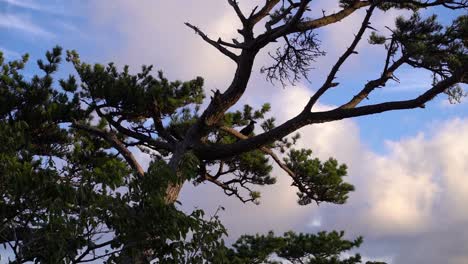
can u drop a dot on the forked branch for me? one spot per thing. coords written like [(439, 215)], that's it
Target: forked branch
[(350, 50), (115, 142), (213, 43)]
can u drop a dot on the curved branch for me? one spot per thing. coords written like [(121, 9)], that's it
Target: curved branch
[(213, 43), (128, 132), (263, 12), (265, 150), (288, 28), (371, 85), (351, 50), (116, 143), (216, 152)]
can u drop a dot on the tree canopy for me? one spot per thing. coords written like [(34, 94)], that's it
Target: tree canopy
[(73, 191)]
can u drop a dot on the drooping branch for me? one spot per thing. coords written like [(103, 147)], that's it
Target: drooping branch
[(227, 188), (265, 150), (115, 142), (294, 60), (155, 144)]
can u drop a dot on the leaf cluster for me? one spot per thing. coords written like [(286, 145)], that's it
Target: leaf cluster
[(317, 181)]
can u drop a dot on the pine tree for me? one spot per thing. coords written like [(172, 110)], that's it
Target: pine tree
[(73, 191)]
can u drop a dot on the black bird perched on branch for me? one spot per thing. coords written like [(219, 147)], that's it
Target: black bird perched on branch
[(246, 131)]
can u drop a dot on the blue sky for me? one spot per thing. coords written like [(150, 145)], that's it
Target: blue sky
[(381, 150)]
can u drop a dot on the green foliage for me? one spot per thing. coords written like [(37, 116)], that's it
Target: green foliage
[(66, 195), (322, 248), (427, 44), (317, 181), (135, 96), (376, 39), (63, 188)]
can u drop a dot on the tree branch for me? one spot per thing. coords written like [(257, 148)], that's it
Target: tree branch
[(236, 8), (281, 164), (351, 50), (263, 12), (213, 43), (116, 143), (265, 150), (371, 85), (216, 152), (152, 142), (289, 28)]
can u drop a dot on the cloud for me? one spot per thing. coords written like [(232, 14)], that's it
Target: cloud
[(153, 32), (33, 5), (413, 194), (16, 22), (10, 54)]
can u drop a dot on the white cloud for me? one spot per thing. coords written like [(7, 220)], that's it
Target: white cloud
[(23, 4), (417, 189), (33, 5), (154, 33), (16, 22), (10, 54), (409, 194)]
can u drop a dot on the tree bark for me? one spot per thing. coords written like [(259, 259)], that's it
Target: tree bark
[(172, 192)]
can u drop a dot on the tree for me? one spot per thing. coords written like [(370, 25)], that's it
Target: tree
[(72, 189)]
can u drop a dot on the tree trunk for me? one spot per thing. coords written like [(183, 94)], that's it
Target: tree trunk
[(172, 192)]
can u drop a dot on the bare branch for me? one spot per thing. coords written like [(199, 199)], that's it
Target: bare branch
[(331, 76), (296, 26), (294, 60), (371, 85), (215, 152), (263, 12), (326, 20), (236, 8), (232, 45), (213, 43)]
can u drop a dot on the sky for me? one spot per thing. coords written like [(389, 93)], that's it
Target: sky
[(408, 167)]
